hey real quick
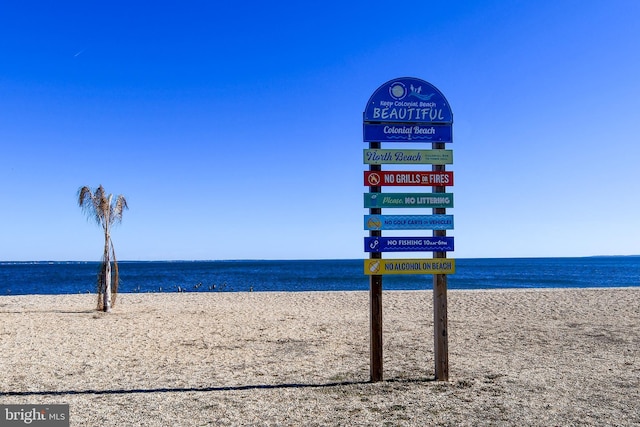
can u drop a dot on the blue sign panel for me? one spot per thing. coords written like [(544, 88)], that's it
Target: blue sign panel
[(408, 222), (408, 244), (403, 132), (408, 100)]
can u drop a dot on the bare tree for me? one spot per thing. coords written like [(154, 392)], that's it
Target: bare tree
[(105, 211)]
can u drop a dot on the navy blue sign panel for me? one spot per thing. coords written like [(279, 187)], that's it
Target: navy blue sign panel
[(405, 132), (408, 100), (408, 244)]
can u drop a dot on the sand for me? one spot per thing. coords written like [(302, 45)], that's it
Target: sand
[(516, 358)]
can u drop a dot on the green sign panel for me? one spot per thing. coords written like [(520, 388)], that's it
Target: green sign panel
[(408, 200), (408, 157)]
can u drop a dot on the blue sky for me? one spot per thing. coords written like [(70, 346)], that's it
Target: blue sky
[(235, 130)]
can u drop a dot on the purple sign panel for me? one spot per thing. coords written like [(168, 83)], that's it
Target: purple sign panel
[(408, 244), (408, 100), (404, 132)]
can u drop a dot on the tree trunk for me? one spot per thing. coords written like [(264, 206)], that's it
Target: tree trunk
[(106, 297), (107, 288)]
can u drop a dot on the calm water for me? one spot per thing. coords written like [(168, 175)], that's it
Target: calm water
[(19, 278)]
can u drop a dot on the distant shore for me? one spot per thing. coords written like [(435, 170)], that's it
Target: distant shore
[(517, 357)]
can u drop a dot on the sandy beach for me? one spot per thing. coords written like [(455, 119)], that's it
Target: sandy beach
[(518, 357)]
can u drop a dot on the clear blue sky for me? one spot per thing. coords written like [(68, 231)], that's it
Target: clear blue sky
[(234, 129)]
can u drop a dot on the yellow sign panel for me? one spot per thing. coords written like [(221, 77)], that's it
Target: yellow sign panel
[(409, 266)]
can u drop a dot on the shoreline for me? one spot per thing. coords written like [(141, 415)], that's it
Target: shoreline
[(534, 356), (515, 289)]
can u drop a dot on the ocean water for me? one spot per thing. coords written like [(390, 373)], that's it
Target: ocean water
[(43, 277)]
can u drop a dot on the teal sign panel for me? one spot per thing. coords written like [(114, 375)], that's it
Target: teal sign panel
[(408, 222), (408, 200)]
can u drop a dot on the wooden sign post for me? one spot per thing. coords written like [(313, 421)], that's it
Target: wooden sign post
[(375, 293), (440, 321), (408, 110)]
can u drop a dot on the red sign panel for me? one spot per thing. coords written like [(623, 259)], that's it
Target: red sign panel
[(408, 178)]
